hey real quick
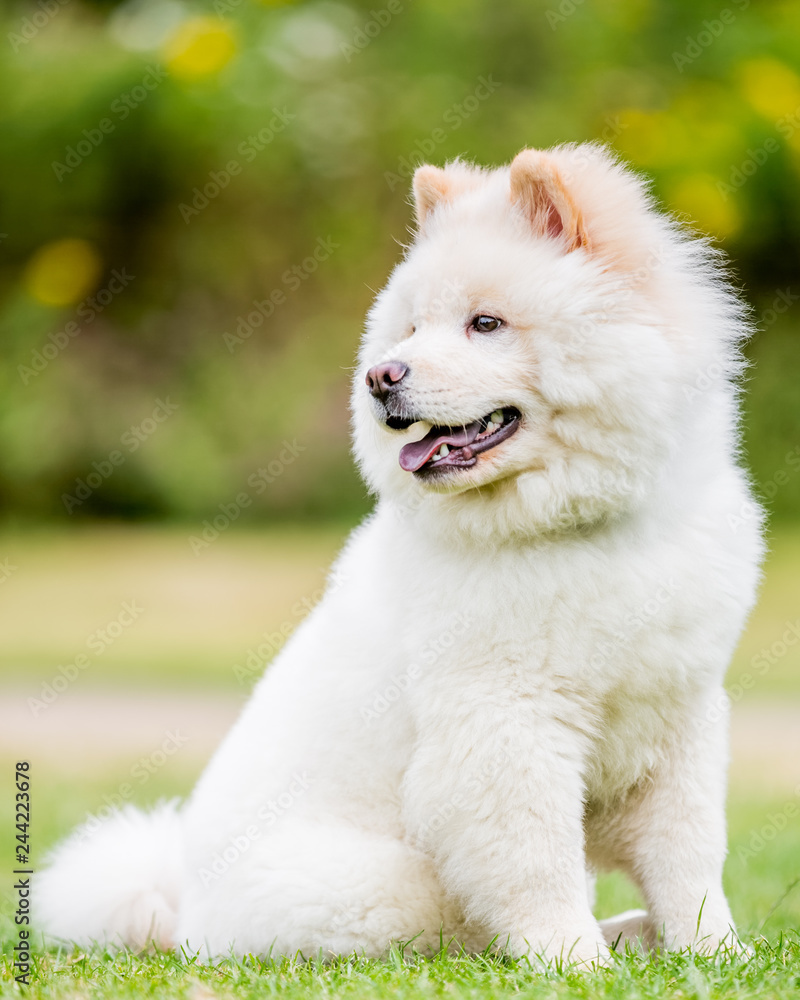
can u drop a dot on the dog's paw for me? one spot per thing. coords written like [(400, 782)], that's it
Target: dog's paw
[(727, 944), (705, 940), (583, 948)]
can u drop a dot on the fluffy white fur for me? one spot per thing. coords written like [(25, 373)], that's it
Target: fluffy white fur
[(517, 678)]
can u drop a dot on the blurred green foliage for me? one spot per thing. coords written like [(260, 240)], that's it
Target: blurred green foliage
[(194, 156)]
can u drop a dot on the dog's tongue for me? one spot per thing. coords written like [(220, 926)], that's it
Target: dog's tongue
[(413, 456)]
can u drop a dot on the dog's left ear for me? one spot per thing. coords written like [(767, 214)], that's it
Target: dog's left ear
[(538, 190), (431, 185)]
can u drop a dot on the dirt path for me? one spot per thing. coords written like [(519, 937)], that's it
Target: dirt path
[(89, 733), (86, 733)]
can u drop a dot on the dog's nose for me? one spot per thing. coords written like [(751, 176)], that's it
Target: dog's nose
[(384, 379)]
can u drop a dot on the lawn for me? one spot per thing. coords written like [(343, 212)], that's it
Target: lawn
[(201, 614), (771, 974), (759, 883)]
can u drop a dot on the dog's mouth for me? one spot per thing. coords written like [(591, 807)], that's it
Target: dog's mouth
[(448, 448)]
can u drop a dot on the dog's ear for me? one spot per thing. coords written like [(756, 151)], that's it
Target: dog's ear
[(431, 185), (538, 189)]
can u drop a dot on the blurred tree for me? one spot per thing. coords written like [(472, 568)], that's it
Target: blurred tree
[(197, 200)]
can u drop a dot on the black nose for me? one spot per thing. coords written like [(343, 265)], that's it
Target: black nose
[(384, 379)]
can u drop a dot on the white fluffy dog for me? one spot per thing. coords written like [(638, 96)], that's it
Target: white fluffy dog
[(516, 678)]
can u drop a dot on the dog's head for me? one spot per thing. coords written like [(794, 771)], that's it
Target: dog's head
[(526, 367)]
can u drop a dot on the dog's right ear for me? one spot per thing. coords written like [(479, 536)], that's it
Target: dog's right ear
[(431, 185), (539, 191)]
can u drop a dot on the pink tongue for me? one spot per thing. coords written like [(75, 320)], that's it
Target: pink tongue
[(413, 456)]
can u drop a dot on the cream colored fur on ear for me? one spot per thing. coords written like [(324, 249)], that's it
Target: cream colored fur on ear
[(434, 185), (430, 187), (539, 190)]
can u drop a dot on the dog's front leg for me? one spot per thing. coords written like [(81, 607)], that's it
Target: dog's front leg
[(495, 794), (673, 834)]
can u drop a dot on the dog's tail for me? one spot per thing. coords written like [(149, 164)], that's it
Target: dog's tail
[(632, 926), (114, 881)]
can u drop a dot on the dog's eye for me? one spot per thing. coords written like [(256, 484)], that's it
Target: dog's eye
[(485, 324)]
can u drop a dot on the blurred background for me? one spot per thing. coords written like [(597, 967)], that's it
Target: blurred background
[(198, 201)]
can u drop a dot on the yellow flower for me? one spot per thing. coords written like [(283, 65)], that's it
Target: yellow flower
[(699, 197), (653, 138), (62, 272), (199, 47), (770, 87)]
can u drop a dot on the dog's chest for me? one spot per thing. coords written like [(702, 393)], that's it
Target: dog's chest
[(609, 655), (540, 622)]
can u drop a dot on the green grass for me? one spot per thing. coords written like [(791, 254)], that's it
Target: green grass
[(760, 881), (772, 973)]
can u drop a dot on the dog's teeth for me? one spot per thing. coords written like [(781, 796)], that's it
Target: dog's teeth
[(497, 417), (443, 452)]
